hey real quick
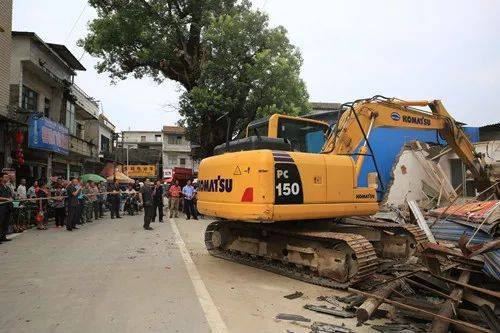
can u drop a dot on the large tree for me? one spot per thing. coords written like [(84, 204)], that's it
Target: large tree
[(222, 52)]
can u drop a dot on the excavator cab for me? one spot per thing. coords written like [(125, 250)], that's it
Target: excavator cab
[(304, 135), (280, 132)]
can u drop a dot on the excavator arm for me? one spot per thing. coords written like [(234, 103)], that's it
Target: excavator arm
[(354, 127)]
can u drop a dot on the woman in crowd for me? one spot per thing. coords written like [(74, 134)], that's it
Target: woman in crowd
[(42, 216), (59, 205)]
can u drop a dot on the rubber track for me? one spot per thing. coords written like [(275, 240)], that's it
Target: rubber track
[(365, 254)]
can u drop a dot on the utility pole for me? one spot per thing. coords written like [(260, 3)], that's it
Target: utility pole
[(127, 159)]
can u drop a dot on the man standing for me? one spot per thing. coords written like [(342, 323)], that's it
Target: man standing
[(21, 190), (101, 198), (6, 206), (158, 201), (114, 199), (94, 192), (31, 193), (146, 197), (189, 192), (73, 191), (174, 193)]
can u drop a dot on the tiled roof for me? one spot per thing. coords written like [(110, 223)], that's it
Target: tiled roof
[(174, 130)]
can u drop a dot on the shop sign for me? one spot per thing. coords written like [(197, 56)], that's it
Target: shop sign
[(140, 171), (45, 134), (167, 173)]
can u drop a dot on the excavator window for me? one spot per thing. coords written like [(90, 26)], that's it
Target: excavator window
[(305, 137)]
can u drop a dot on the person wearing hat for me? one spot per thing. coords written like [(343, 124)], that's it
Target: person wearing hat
[(6, 206)]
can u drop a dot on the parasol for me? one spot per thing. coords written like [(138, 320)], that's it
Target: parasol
[(92, 177)]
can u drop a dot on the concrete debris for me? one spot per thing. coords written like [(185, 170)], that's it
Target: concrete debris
[(295, 295), (330, 311), (319, 327), (292, 317)]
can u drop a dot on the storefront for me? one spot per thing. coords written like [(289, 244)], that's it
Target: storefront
[(45, 141)]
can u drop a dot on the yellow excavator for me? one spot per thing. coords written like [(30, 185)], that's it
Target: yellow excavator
[(284, 207)]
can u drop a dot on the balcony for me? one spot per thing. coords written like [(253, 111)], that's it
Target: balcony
[(82, 147), (86, 107), (183, 147)]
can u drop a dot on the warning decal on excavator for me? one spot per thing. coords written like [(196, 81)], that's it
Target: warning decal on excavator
[(287, 184)]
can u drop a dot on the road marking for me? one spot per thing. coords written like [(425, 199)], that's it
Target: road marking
[(211, 312)]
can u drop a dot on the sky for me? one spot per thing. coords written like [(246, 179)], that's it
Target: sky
[(446, 50)]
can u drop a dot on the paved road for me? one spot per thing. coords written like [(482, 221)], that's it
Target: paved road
[(113, 276), (109, 276)]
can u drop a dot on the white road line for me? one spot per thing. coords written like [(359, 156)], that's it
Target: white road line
[(212, 314)]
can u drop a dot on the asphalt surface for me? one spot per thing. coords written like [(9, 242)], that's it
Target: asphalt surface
[(113, 276), (109, 276)]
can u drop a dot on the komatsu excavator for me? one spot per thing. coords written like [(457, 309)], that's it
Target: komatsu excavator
[(286, 206)]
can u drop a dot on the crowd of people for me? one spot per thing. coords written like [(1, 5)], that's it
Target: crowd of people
[(73, 203)]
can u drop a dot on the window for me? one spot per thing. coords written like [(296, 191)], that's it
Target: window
[(70, 117), (174, 140), (104, 144), (143, 138), (158, 137), (303, 136), (182, 161), (46, 107), (30, 99)]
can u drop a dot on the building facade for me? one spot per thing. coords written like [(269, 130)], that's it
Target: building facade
[(176, 151), (141, 139), (47, 124), (140, 149), (103, 131), (5, 52)]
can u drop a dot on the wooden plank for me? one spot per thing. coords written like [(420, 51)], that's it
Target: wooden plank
[(411, 308), (448, 308), (468, 286)]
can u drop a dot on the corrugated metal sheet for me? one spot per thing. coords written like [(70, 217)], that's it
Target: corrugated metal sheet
[(492, 264), (488, 228), (473, 212), (451, 231)]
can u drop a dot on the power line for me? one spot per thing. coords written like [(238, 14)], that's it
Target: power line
[(76, 22)]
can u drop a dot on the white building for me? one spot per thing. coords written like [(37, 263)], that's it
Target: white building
[(176, 151), (141, 140)]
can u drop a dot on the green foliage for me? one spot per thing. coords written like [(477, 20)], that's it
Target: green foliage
[(252, 72), (223, 52)]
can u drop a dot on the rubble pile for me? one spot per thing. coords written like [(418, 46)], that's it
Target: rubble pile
[(451, 286)]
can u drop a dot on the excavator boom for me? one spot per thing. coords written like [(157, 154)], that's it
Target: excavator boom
[(363, 115)]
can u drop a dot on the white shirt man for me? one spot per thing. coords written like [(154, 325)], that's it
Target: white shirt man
[(21, 190)]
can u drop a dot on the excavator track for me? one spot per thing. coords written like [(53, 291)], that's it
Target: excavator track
[(363, 255), (416, 237)]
